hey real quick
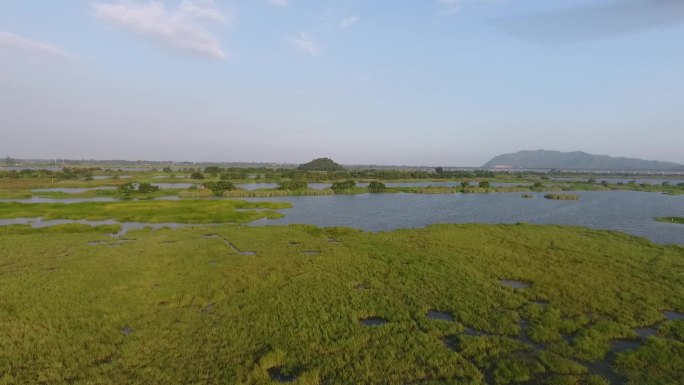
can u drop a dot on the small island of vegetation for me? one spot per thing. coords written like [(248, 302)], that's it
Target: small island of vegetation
[(562, 197), (679, 220)]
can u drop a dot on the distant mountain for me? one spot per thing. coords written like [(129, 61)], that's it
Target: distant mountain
[(574, 160), (321, 164)]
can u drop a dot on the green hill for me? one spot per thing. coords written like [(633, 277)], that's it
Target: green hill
[(321, 164), (574, 160)]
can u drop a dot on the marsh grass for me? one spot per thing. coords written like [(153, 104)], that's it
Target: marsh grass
[(256, 193), (106, 193), (200, 313), (60, 229), (15, 194), (183, 211)]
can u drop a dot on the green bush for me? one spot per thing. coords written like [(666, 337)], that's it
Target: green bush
[(376, 187), (342, 186), (137, 188), (219, 187), (293, 185)]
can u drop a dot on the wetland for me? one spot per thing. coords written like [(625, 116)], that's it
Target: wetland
[(425, 282)]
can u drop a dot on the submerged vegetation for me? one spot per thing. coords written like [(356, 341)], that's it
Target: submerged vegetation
[(562, 197), (253, 305), (679, 220)]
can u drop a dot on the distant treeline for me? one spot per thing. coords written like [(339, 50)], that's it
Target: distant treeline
[(279, 174)]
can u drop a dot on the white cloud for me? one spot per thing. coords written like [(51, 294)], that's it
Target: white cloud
[(204, 9), (305, 44), (280, 3), (10, 41), (349, 21), (180, 29)]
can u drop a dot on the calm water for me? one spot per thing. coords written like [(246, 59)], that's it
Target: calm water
[(320, 186), (445, 184), (620, 180), (626, 211)]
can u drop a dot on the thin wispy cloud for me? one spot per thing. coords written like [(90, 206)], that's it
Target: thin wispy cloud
[(349, 21), (596, 20), (453, 6), (204, 9), (306, 44), (181, 29), (34, 48), (280, 3)]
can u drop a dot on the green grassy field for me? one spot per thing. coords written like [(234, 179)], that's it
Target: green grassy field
[(185, 307), (182, 211)]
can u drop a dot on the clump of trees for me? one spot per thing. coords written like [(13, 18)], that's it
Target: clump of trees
[(376, 187), (293, 185), (212, 170), (321, 164), (196, 175), (339, 187), (66, 173), (137, 188), (219, 187), (484, 184)]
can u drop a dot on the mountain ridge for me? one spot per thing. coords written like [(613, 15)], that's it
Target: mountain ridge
[(549, 159)]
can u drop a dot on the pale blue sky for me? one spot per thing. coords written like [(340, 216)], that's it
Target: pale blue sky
[(421, 82)]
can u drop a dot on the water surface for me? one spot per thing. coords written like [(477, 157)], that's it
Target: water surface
[(622, 180), (632, 212)]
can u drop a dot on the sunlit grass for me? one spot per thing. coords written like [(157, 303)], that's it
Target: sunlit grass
[(183, 211), (176, 307)]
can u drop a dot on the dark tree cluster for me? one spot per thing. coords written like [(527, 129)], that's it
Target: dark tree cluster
[(342, 186), (219, 187), (321, 164), (293, 185), (376, 187), (137, 188)]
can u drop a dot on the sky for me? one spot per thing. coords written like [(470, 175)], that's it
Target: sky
[(420, 82)]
